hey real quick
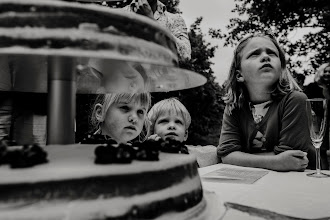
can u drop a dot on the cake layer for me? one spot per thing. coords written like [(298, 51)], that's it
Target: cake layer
[(148, 206), (25, 24), (81, 43), (141, 189)]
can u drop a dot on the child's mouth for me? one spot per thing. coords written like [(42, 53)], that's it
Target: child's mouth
[(131, 128), (171, 134)]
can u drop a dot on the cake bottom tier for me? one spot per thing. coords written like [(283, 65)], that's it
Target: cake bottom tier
[(102, 209)]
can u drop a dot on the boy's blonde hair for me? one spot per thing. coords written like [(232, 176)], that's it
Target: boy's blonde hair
[(236, 92), (171, 105), (106, 100)]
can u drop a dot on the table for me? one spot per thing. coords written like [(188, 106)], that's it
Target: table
[(276, 195)]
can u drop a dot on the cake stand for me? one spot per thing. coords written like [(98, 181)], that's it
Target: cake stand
[(63, 48)]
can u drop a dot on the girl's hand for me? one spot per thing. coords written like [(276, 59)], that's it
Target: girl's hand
[(295, 160), (142, 7), (154, 137)]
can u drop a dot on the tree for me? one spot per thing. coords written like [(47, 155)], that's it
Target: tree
[(282, 17), (203, 103), (172, 5)]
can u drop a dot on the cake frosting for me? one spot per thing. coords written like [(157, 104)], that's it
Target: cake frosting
[(51, 27), (71, 186)]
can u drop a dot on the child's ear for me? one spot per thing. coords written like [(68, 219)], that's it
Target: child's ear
[(98, 112), (239, 76), (185, 135)]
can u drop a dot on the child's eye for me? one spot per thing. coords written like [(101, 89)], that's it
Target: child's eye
[(179, 122), (271, 52), (253, 54), (162, 121), (141, 112), (124, 107)]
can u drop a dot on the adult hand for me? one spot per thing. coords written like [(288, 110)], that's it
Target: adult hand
[(292, 160), (142, 7)]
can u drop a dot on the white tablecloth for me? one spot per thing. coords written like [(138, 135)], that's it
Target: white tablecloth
[(281, 195)]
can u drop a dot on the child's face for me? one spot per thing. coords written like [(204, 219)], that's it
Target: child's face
[(171, 126), (260, 63), (327, 70), (124, 121)]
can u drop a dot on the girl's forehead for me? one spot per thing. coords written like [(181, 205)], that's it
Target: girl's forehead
[(132, 102), (170, 113), (259, 42)]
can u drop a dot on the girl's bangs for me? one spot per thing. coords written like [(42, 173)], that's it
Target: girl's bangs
[(141, 98)]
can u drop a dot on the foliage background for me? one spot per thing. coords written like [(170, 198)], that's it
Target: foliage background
[(282, 17)]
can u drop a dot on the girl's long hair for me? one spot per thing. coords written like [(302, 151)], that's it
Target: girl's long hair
[(236, 92)]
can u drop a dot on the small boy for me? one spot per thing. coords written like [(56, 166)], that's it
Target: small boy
[(169, 120)]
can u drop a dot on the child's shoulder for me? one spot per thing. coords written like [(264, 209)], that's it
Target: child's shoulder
[(295, 97)]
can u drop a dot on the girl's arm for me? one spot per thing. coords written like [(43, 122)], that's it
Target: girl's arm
[(230, 149), (294, 124), (230, 136), (291, 160)]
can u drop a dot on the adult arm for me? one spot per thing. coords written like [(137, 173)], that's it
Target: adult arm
[(180, 32)]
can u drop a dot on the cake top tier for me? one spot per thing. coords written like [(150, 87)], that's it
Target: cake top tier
[(51, 27)]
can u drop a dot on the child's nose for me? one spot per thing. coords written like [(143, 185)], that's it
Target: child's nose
[(132, 118), (171, 126), (265, 57)]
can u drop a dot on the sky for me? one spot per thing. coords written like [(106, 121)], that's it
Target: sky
[(216, 14)]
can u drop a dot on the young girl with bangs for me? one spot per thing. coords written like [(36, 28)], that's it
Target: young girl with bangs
[(265, 123), (122, 116)]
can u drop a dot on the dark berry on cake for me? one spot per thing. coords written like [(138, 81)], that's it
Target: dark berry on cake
[(16, 159), (104, 154), (148, 150), (26, 156), (34, 154), (7, 141), (124, 154), (173, 146), (3, 154), (22, 156), (114, 153)]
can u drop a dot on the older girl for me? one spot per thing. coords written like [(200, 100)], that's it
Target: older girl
[(264, 123)]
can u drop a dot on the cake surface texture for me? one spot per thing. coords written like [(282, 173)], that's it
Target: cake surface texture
[(59, 28), (72, 186)]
